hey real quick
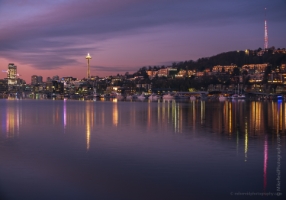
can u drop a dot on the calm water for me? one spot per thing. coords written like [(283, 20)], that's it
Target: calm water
[(142, 150)]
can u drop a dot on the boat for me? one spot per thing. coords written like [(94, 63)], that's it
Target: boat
[(222, 97), (154, 97), (95, 94), (119, 97), (129, 97), (238, 95), (203, 96), (141, 97), (181, 96), (168, 96), (192, 98)]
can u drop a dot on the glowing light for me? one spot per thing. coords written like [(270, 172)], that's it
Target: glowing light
[(265, 163), (65, 116), (115, 115), (88, 127), (245, 142)]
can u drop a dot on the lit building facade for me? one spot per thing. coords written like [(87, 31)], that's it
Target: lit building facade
[(12, 74), (254, 68), (224, 68), (34, 79)]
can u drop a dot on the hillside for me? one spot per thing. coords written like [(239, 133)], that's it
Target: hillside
[(275, 57), (240, 58)]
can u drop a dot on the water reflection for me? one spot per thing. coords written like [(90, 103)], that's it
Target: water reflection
[(88, 113), (11, 118), (265, 164), (232, 126), (228, 117), (115, 114), (245, 140), (65, 115)]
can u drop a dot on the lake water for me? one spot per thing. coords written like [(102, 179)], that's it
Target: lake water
[(142, 150)]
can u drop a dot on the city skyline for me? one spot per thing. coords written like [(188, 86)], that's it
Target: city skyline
[(50, 38)]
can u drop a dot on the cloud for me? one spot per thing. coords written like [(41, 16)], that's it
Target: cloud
[(112, 69), (50, 34)]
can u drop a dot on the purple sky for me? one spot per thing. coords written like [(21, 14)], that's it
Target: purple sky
[(52, 37)]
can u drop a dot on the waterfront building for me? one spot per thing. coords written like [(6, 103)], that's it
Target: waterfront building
[(12, 74), (144, 86), (3, 85), (55, 87)]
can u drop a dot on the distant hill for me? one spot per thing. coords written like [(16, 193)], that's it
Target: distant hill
[(275, 57), (239, 58)]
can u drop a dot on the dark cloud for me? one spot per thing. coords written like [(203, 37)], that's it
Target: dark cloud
[(52, 37)]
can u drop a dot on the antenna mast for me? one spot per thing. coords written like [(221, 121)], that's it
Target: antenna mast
[(265, 33)]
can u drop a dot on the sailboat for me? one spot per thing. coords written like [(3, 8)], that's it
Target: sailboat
[(237, 95)]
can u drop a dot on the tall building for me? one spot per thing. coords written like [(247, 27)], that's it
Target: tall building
[(40, 79), (34, 79), (56, 78), (12, 74), (49, 79)]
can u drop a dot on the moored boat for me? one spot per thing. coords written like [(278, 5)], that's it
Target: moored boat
[(222, 97), (192, 98), (168, 96), (141, 97), (154, 97)]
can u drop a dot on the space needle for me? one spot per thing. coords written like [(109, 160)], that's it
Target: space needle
[(88, 57)]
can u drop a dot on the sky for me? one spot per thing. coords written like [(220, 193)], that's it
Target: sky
[(52, 37)]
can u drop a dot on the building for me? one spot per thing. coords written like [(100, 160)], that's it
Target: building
[(67, 79), (34, 80), (3, 85), (254, 68), (49, 79), (40, 79), (225, 68), (56, 78), (55, 87), (165, 72), (12, 74), (152, 73)]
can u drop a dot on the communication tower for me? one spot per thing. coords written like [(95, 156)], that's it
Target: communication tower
[(88, 57), (265, 33)]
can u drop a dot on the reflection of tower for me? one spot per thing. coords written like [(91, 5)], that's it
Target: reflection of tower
[(265, 33), (265, 163), (88, 57)]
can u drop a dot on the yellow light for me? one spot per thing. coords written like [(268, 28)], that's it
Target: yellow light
[(88, 56)]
